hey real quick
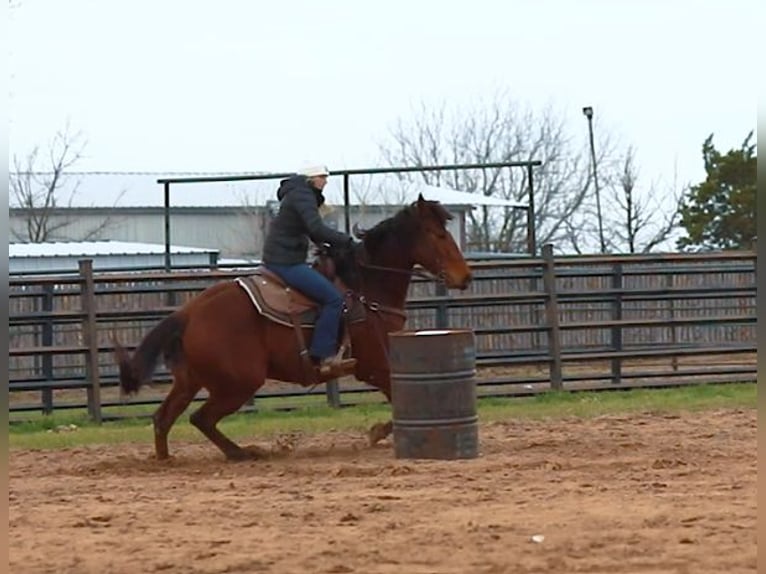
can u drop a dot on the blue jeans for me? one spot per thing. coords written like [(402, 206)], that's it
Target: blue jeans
[(316, 286)]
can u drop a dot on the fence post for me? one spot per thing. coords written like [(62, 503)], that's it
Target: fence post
[(47, 341), (332, 391), (442, 311), (171, 297), (617, 329), (552, 316), (535, 338), (669, 283), (90, 338)]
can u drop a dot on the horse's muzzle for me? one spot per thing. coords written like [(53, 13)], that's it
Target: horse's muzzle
[(462, 282)]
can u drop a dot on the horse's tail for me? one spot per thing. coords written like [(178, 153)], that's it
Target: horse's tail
[(164, 338)]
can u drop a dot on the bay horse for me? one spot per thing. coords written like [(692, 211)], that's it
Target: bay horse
[(223, 340)]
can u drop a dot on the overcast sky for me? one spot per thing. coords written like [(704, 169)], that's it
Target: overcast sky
[(224, 85)]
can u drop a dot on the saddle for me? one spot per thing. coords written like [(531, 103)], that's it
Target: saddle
[(282, 304), (276, 300)]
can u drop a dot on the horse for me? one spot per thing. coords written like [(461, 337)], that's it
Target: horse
[(234, 335)]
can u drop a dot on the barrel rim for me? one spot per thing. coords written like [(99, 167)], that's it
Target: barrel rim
[(430, 332)]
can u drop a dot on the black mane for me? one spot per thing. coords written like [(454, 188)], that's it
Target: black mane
[(394, 234), (401, 227)]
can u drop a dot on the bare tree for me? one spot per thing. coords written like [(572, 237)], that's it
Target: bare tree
[(639, 222), (39, 188), (500, 131)]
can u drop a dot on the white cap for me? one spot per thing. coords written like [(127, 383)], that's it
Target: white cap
[(314, 170)]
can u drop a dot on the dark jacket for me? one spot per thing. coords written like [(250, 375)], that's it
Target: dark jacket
[(298, 220)]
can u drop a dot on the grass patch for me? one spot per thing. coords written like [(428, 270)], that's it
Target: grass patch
[(45, 432), (591, 403)]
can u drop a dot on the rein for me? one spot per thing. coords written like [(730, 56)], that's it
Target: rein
[(410, 272), (381, 310), (380, 329)]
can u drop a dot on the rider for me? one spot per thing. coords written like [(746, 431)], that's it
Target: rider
[(285, 253)]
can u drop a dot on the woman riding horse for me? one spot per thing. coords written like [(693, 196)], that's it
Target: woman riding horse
[(286, 248)]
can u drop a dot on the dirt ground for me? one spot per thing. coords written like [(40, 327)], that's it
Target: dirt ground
[(631, 493)]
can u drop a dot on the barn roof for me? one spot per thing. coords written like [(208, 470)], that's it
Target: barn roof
[(95, 248), (115, 190)]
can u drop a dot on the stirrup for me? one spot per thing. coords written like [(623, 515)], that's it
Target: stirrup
[(336, 368)]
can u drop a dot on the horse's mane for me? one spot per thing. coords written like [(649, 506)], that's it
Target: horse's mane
[(395, 234), (402, 226)]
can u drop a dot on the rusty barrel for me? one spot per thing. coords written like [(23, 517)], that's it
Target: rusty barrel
[(433, 394)]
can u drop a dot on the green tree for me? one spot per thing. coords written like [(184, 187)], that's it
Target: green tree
[(719, 213)]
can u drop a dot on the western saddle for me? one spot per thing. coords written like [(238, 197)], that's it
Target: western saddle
[(278, 302)]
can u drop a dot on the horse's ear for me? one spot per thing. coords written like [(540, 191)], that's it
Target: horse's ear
[(421, 203)]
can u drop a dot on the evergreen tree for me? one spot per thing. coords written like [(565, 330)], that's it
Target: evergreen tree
[(719, 213)]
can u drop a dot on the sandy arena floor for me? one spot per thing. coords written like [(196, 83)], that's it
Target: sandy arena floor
[(616, 494)]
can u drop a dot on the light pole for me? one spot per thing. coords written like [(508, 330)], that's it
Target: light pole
[(588, 111)]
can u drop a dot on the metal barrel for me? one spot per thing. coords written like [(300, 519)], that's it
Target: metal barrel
[(433, 394)]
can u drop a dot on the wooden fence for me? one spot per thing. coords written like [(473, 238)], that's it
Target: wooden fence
[(540, 323)]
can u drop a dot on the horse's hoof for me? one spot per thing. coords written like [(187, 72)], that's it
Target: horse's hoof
[(377, 433), (238, 456), (247, 453), (256, 452)]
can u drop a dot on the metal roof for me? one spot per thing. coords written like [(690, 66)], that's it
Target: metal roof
[(408, 194), (115, 190), (96, 248), (64, 257)]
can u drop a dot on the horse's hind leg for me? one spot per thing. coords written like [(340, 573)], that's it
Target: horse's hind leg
[(181, 394), (213, 410)]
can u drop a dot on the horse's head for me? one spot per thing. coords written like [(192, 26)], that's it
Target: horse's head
[(434, 247), (421, 237)]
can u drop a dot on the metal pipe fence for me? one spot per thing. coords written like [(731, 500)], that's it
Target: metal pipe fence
[(529, 209)]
